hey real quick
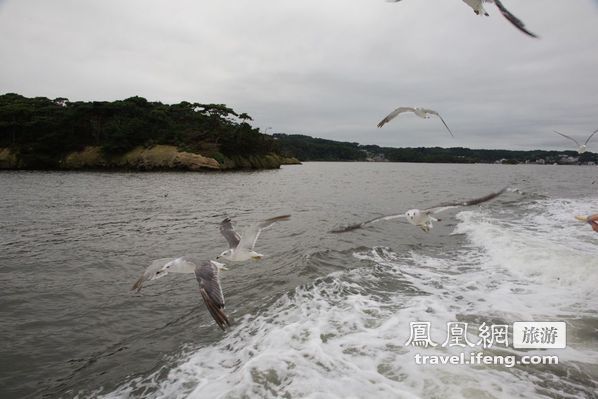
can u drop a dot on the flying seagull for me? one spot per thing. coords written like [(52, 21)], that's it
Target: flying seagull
[(581, 148), (241, 247), (207, 275), (421, 112), (478, 9), (592, 220), (423, 218)]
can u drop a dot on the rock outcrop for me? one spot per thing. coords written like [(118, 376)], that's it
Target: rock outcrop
[(8, 160), (158, 157)]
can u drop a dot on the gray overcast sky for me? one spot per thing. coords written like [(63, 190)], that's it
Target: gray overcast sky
[(325, 68)]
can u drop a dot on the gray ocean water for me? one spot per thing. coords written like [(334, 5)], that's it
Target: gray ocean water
[(322, 315)]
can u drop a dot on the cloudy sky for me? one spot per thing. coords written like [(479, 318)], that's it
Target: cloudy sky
[(325, 68)]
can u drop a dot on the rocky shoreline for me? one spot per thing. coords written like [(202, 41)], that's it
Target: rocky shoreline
[(158, 157)]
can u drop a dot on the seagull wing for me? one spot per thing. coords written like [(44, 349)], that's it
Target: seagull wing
[(588, 140), (585, 219), (570, 138), (207, 276), (371, 221), (250, 236), (513, 19), (227, 230), (153, 272), (430, 111), (476, 201), (393, 115)]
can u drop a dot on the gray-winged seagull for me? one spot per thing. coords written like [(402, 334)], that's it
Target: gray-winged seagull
[(241, 247), (478, 8), (207, 275), (423, 218), (581, 148), (421, 112)]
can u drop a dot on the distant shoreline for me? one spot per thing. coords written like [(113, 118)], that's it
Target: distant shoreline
[(122, 169), (306, 148)]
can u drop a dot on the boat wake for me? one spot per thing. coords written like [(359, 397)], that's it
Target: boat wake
[(345, 334)]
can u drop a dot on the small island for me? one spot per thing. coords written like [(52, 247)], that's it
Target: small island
[(136, 134)]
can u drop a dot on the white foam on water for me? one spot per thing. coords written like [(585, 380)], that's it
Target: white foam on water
[(344, 335), (547, 245), (326, 340)]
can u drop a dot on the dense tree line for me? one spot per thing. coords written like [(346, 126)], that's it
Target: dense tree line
[(41, 130), (307, 148), (467, 155)]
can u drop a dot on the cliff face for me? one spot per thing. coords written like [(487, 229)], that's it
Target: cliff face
[(8, 160), (159, 157)]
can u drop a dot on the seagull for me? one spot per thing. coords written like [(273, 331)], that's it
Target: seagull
[(478, 8), (424, 218), (421, 112), (241, 247), (207, 275), (581, 148), (592, 220)]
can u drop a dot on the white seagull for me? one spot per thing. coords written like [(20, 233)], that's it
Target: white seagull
[(241, 247), (421, 112), (478, 9), (207, 275), (423, 218), (581, 148)]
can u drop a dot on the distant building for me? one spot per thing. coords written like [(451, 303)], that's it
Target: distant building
[(568, 160), (375, 157)]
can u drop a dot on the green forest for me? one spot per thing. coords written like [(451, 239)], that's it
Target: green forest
[(41, 130)]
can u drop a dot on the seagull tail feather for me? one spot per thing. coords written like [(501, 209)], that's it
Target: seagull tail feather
[(217, 312)]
